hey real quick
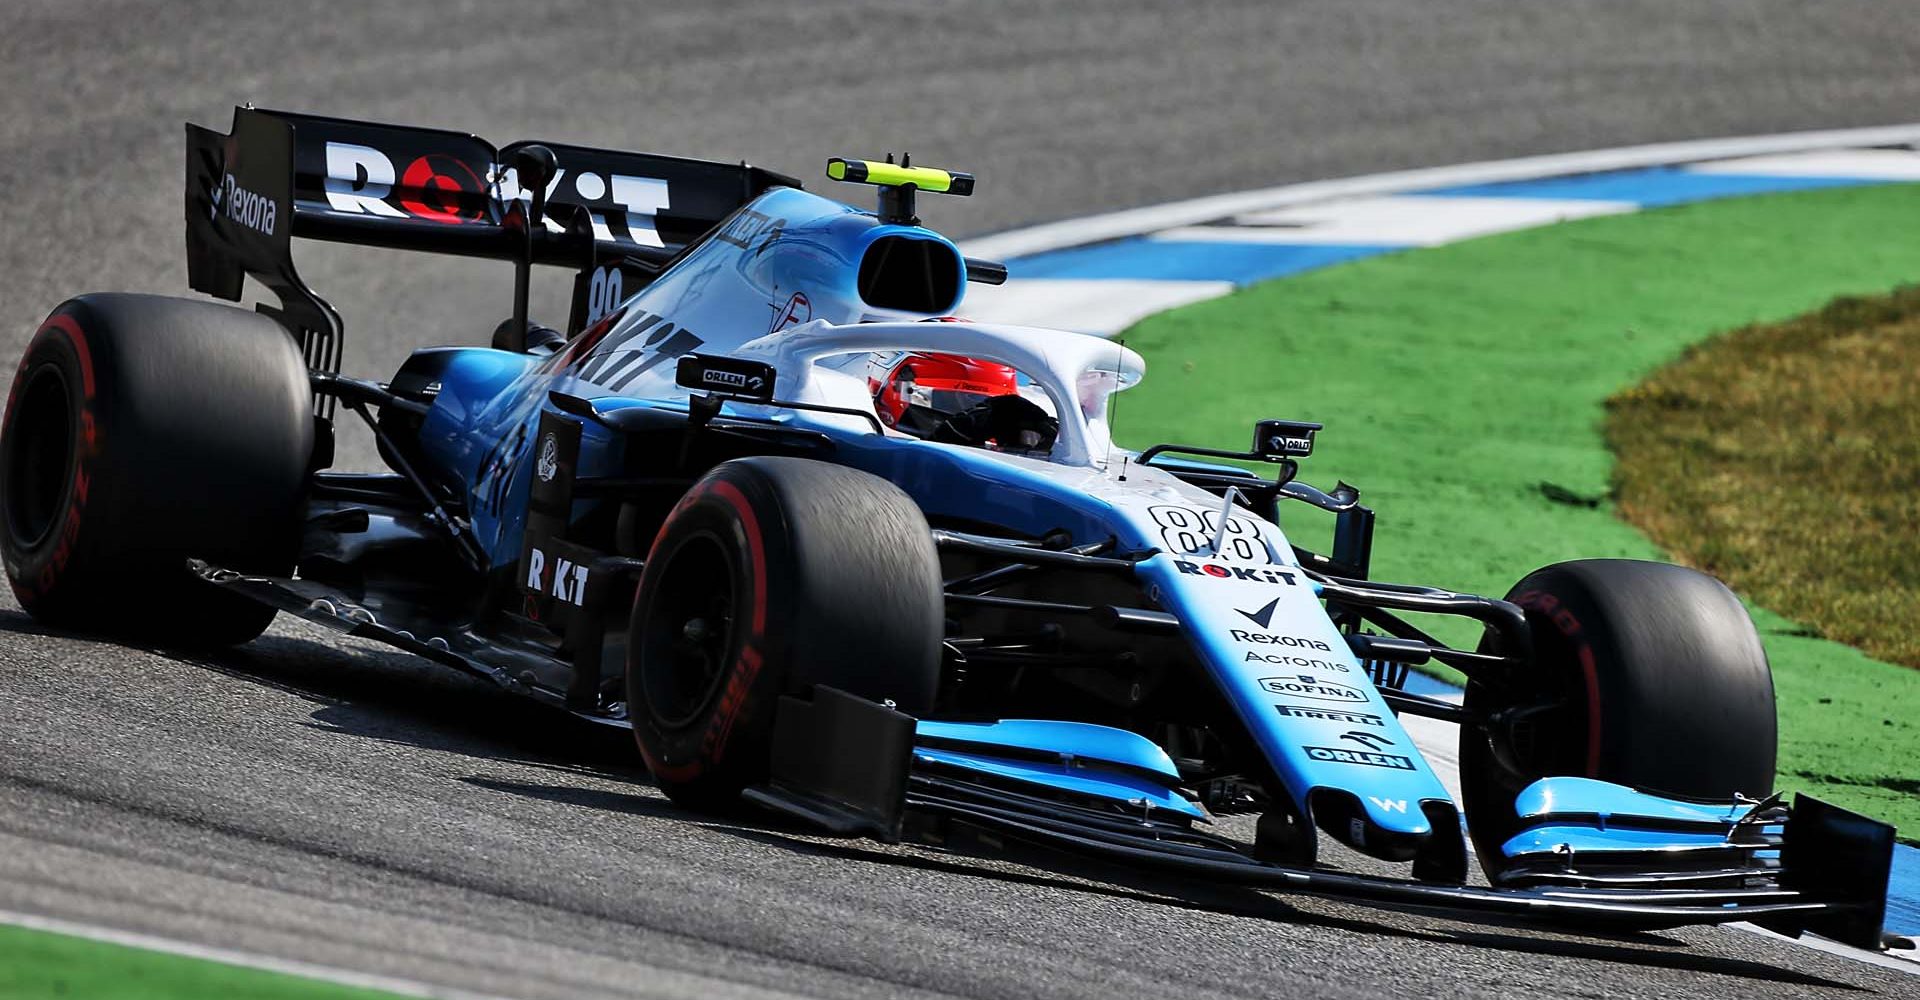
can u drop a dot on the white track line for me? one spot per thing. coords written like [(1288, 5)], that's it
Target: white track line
[(1877, 164), (1103, 307), (1396, 220), (1907, 965), (1132, 222), (245, 960)]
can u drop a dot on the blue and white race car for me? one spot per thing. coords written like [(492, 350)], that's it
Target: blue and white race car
[(731, 508)]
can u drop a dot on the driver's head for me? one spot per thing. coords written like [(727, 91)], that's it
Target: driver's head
[(959, 400), (922, 390)]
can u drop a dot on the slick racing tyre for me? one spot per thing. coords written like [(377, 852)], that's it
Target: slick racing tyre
[(773, 575), (142, 431), (1645, 674)]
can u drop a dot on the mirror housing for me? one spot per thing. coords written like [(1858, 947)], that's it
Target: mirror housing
[(1276, 440), (726, 376)]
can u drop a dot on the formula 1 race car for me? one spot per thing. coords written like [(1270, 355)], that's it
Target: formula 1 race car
[(828, 550)]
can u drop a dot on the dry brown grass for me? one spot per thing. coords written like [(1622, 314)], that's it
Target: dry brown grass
[(1785, 459)]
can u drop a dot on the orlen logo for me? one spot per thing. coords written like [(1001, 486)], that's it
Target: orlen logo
[(1305, 686), (251, 209), (1257, 574), (732, 380), (1338, 755)]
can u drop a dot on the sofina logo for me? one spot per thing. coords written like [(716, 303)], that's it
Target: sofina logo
[(1306, 686)]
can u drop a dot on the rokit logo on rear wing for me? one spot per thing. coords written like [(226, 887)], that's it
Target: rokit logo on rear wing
[(438, 187)]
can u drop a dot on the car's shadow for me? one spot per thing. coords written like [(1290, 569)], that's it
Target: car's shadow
[(376, 693), (1054, 869), (393, 697)]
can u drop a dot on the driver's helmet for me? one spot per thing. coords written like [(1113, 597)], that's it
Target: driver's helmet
[(918, 392)]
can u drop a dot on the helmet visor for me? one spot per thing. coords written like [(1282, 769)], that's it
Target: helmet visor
[(944, 400)]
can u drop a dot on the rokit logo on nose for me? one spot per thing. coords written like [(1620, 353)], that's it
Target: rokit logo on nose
[(1257, 574), (251, 209)]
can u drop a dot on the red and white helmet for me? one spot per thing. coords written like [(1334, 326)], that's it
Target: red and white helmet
[(917, 391)]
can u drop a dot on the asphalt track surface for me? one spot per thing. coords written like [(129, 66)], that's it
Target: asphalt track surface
[(318, 800)]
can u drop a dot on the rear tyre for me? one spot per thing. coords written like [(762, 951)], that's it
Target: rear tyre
[(773, 575), (142, 431), (1656, 680)]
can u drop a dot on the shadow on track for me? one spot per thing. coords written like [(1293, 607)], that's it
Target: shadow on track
[(1062, 870), (394, 697)]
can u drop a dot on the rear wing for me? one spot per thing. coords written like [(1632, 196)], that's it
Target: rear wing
[(616, 217)]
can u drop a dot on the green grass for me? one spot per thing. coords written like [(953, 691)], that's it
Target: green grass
[(36, 964), (1463, 389)]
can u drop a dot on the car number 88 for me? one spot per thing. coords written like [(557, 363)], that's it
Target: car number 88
[(1185, 531)]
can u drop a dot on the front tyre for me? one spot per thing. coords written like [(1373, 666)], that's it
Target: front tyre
[(773, 575), (1645, 674), (142, 431)]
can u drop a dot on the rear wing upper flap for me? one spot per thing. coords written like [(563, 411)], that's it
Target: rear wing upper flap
[(278, 175)]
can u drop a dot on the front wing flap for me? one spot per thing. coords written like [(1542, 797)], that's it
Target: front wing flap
[(1832, 879)]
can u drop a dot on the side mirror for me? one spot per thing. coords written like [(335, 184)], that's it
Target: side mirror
[(725, 376), (1277, 440), (533, 167)]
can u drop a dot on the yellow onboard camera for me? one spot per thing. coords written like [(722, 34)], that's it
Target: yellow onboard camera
[(898, 182)]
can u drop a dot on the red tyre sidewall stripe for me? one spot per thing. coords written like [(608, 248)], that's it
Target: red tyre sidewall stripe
[(659, 767), (738, 692), (86, 447), (756, 551), (1593, 709), (65, 324), (1569, 626)]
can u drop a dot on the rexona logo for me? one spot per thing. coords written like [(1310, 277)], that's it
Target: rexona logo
[(1329, 715), (1269, 639), (1335, 755), (1258, 574), (569, 578), (251, 209), (1305, 686)]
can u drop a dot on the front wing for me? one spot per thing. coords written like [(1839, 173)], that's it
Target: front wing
[(855, 768)]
